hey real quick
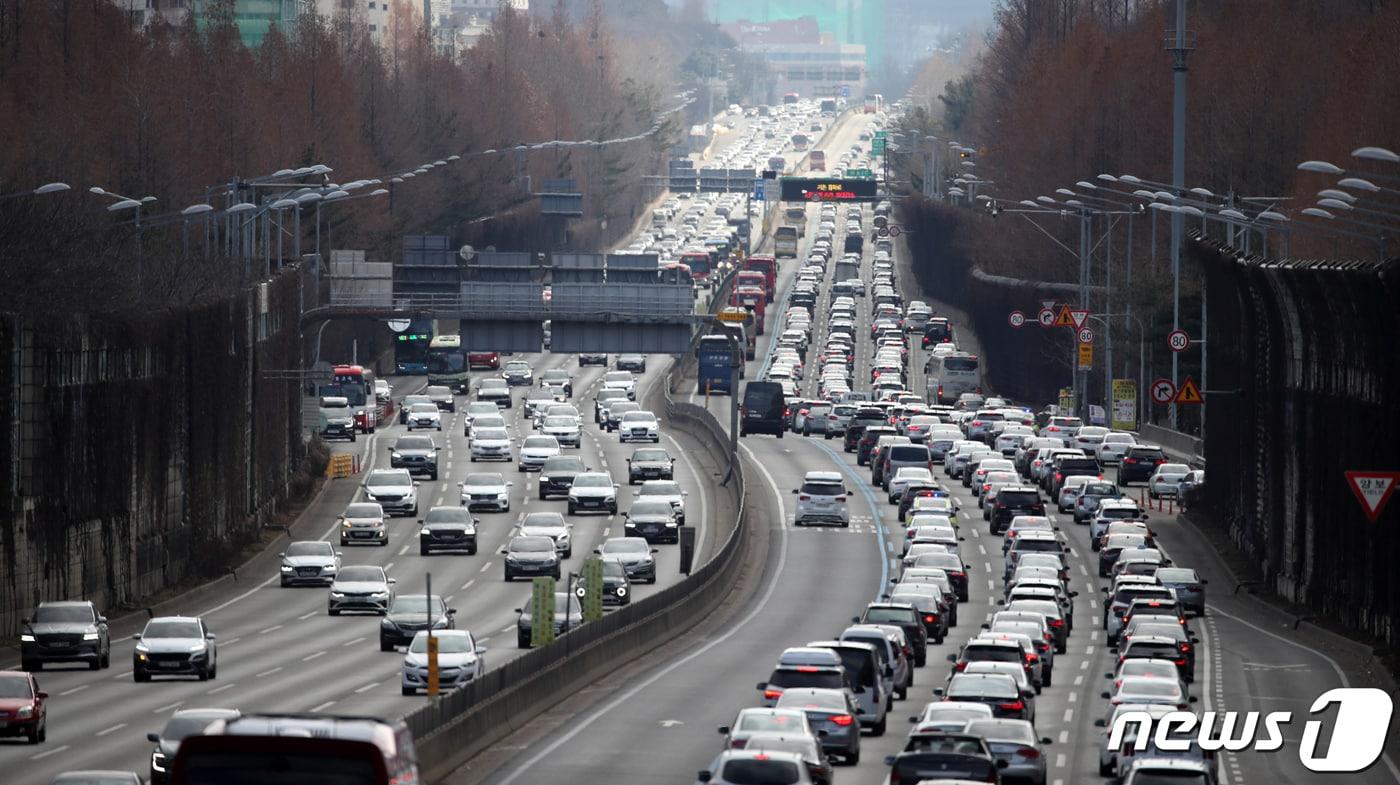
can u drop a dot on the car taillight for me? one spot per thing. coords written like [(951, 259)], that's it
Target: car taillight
[(844, 720), (1160, 461), (1059, 476), (1185, 647), (1057, 622), (1181, 662), (956, 575), (1032, 659), (804, 497), (1130, 460), (840, 498), (930, 618), (976, 422), (959, 666), (772, 694), (738, 744), (1013, 706)]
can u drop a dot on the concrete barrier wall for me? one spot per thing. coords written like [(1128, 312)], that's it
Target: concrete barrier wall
[(1183, 444)]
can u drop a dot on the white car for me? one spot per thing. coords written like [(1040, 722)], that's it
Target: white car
[(1166, 479), (394, 490), (460, 661), (490, 444), (485, 491), (551, 525), (424, 415), (535, 451), (639, 427), (621, 380), (665, 490), (563, 428), (1114, 445), (594, 492), (905, 475), (477, 408)]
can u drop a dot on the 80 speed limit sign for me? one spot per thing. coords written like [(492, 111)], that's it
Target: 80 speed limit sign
[(1178, 340)]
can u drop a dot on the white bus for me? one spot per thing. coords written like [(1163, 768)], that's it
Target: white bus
[(950, 375)]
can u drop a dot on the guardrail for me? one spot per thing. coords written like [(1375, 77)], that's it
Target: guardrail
[(664, 303), (453, 728)]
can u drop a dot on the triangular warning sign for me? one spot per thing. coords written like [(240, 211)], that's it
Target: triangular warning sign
[(1373, 489), (1189, 392), (1064, 319), (1079, 317)]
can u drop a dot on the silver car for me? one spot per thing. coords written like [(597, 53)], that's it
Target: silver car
[(363, 522), (460, 660), (485, 491), (667, 491), (309, 562), (594, 492), (551, 525), (394, 489), (360, 587), (175, 646), (1166, 479), (1014, 743), (535, 450), (424, 415), (830, 710), (490, 444), (635, 555)]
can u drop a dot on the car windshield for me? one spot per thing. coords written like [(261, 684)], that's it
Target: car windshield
[(592, 481), (491, 434), (359, 573), (1146, 685), (998, 730), (414, 443), (481, 408), (1173, 468), (488, 421), (423, 408), (626, 546), (660, 488), (613, 569), (649, 456), (309, 549), (59, 614), (447, 644), (15, 687), (171, 628), (631, 417), (478, 479), (531, 544), (990, 685), (416, 603), (651, 508), (448, 515), (753, 771), (1176, 575), (182, 727), (387, 477), (617, 376), (540, 442), (517, 365), (364, 511), (562, 463), (1150, 776)]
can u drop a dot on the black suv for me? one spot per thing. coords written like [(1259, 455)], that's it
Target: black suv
[(418, 454), (1070, 466), (65, 632), (558, 473), (906, 617), (864, 417), (1139, 462), (1013, 501)]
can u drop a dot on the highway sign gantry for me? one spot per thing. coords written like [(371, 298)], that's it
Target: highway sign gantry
[(1372, 489), (1163, 390), (1016, 319), (1178, 340)]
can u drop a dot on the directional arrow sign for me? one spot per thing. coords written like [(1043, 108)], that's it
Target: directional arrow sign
[(1046, 317), (1163, 391), (1373, 490), (1064, 318), (1079, 317)]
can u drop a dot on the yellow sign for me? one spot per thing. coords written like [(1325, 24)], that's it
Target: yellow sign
[(734, 315), (1086, 356), (1066, 400), (1189, 392), (1064, 318), (1124, 404)]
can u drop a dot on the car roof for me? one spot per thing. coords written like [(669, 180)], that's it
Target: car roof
[(822, 477)]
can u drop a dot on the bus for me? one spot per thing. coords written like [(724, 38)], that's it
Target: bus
[(777, 163), (411, 348), (791, 98), (767, 265), (874, 103), (714, 355), (950, 375), (816, 160), (447, 362), (796, 216), (829, 106), (799, 142), (700, 264)]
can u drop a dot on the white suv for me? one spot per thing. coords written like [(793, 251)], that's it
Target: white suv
[(822, 499)]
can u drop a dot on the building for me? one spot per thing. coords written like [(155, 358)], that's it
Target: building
[(802, 58), (252, 17), (459, 24), (373, 14)]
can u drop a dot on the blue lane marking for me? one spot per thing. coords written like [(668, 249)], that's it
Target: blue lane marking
[(870, 499)]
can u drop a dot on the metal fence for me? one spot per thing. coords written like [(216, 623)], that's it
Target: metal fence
[(456, 726), (1304, 371)]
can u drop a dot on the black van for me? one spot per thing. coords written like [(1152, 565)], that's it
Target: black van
[(937, 330), (764, 409)]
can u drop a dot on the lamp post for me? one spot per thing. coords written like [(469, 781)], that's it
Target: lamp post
[(46, 188)]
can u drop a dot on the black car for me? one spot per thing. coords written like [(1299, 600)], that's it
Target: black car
[(181, 725), (650, 463), (447, 529), (937, 331), (617, 589), (531, 556), (592, 358), (764, 409), (941, 756), (65, 632), (418, 454), (1070, 466), (632, 362), (1013, 501), (906, 617), (602, 399), (1139, 462), (653, 520), (568, 615), (871, 434), (408, 615), (558, 473)]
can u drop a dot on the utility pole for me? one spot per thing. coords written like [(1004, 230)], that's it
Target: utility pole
[(1180, 48)]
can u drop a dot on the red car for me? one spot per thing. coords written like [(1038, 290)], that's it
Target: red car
[(22, 711), (491, 360)]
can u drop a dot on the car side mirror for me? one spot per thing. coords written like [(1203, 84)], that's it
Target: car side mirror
[(153, 737), (889, 672), (1105, 695), (517, 610), (480, 649), (209, 636), (41, 695), (503, 551), (986, 626), (1100, 723), (1192, 699), (1108, 675), (416, 483), (1204, 581), (656, 550), (101, 619), (1194, 639), (761, 685), (1001, 764), (284, 554), (794, 490), (598, 550), (451, 611), (1074, 594), (723, 730), (703, 776)]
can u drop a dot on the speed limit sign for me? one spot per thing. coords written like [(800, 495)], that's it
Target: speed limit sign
[(1086, 335), (1016, 319), (1178, 340)]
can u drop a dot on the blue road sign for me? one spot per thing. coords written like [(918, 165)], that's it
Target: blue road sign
[(758, 189), (845, 91)]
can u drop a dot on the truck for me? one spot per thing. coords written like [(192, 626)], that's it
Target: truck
[(828, 105), (714, 354), (785, 242), (767, 265), (796, 216), (701, 264), (846, 269), (739, 320), (752, 298), (816, 161)]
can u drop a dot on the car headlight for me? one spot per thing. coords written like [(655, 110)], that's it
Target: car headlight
[(395, 455), (671, 524), (609, 499), (425, 531), (286, 568), (386, 623), (26, 638), (25, 712), (90, 636), (380, 595), (196, 648), (622, 591), (335, 595)]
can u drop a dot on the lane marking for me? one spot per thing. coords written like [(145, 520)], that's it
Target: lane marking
[(367, 687), (47, 753), (353, 641), (78, 688), (323, 706), (112, 729), (273, 628), (314, 655), (306, 616), (164, 709), (267, 672), (218, 690), (468, 584)]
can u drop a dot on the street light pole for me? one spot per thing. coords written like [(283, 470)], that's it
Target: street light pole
[(1180, 49)]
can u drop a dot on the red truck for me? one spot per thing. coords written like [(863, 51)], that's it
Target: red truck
[(752, 298), (768, 265)]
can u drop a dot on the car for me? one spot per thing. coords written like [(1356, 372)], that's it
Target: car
[(1108, 755), (831, 710), (337, 418), (531, 556), (765, 720), (490, 444), (592, 358), (564, 428), (460, 661), (410, 613), (182, 724), (97, 777), (559, 380), (360, 587), (477, 409), (994, 689), (1145, 771), (1139, 462), (631, 362), (393, 489), (1188, 585), (636, 556), (423, 415), (1014, 744), (313, 562), (447, 529), (948, 716), (1113, 447), (621, 380), (1069, 492), (25, 707), (904, 616), (487, 360), (495, 391), (536, 401), (594, 492), (549, 524), (557, 475), (1166, 479), (517, 373), (363, 522), (903, 477), (175, 646), (807, 746), (65, 631), (745, 767), (603, 400), (568, 615), (943, 757), (650, 463), (535, 451), (417, 454), (441, 397), (485, 491), (1086, 502), (617, 589), (1148, 689), (408, 402), (822, 499), (639, 426), (654, 520)]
